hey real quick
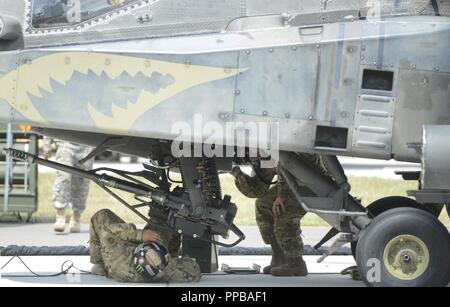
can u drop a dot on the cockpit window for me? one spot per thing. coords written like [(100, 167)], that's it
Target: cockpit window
[(389, 8), (62, 13)]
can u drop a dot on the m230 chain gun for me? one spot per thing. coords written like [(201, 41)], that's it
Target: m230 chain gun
[(180, 214)]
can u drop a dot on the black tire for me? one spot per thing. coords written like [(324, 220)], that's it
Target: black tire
[(417, 224), (391, 202), (384, 204)]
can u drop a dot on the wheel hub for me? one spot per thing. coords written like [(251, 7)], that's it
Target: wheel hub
[(406, 257)]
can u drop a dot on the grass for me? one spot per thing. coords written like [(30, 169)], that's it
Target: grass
[(368, 189)]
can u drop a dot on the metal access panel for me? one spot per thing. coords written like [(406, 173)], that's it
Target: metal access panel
[(18, 180), (290, 73)]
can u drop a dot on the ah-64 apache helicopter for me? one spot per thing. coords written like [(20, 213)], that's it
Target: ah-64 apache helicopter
[(354, 78)]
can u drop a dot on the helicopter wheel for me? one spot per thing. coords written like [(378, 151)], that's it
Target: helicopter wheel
[(404, 247), (388, 203)]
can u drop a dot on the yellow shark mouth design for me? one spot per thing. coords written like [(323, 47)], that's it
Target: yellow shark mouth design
[(60, 67)]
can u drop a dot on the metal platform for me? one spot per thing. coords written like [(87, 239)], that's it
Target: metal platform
[(18, 180)]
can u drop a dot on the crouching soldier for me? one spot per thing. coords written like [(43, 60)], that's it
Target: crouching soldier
[(122, 252), (278, 215), (278, 218)]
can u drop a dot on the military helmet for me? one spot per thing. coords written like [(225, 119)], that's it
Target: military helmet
[(150, 259)]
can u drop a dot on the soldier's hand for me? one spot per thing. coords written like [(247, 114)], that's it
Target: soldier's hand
[(149, 235), (278, 207)]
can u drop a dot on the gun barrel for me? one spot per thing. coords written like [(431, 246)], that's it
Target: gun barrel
[(25, 156), (101, 179)]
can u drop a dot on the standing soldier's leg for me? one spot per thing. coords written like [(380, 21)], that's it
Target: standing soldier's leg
[(266, 225), (62, 187), (288, 234), (80, 191)]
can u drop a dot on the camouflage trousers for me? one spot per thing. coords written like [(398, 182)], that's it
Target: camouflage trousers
[(283, 232), (68, 190), (112, 244)]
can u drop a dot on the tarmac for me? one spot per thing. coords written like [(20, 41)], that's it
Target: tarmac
[(16, 274), (326, 274)]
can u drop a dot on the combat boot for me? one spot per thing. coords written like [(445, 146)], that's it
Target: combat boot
[(295, 266), (75, 226), (60, 224), (278, 258)]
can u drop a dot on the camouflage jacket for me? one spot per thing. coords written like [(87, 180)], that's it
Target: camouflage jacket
[(258, 184)]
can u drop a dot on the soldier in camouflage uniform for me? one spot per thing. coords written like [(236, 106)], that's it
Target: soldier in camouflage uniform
[(278, 216), (113, 243), (69, 190)]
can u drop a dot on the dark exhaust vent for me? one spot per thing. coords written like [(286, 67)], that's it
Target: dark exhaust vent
[(379, 80), (331, 137)]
